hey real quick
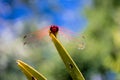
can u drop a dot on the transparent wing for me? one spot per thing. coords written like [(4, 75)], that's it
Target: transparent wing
[(68, 36), (80, 42), (35, 37)]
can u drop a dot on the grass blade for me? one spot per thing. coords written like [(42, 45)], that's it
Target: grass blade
[(68, 61), (30, 72)]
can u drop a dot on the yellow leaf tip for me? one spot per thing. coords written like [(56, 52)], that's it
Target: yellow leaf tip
[(18, 62)]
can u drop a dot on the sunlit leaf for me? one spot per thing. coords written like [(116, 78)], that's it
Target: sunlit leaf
[(68, 61), (30, 72)]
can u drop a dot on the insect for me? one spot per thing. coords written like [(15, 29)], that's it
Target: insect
[(55, 30)]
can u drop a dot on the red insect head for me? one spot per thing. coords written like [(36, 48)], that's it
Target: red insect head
[(54, 29)]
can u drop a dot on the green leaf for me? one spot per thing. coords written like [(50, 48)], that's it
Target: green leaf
[(68, 61), (30, 72)]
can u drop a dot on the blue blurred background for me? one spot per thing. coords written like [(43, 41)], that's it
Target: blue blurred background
[(98, 20), (60, 12)]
